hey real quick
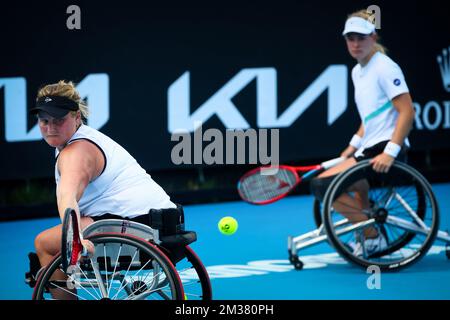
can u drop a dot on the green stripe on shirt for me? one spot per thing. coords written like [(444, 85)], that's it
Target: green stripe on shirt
[(383, 108)]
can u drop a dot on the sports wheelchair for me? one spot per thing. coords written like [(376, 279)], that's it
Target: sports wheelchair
[(132, 261), (402, 207)]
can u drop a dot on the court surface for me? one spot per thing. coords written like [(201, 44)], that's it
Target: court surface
[(252, 264)]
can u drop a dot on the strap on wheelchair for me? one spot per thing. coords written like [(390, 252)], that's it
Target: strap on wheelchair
[(167, 221), (35, 266)]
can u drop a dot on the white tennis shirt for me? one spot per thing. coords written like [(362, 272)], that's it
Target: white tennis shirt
[(376, 84), (123, 188)]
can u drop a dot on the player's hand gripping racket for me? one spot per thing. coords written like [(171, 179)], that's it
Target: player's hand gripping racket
[(71, 246), (265, 185)]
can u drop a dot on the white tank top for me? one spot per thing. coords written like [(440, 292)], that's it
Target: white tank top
[(123, 188)]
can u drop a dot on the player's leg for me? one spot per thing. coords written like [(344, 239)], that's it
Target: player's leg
[(47, 245), (320, 184), (353, 208), (350, 207), (48, 242)]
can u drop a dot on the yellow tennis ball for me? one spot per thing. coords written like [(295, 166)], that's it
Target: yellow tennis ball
[(228, 225)]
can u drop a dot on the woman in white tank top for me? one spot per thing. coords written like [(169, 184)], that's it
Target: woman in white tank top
[(386, 110), (94, 174)]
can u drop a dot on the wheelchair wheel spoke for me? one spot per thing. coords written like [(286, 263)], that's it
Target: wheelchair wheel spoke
[(191, 283), (145, 284), (69, 292), (155, 267), (392, 233), (98, 277), (115, 267), (80, 286), (193, 295), (106, 270), (86, 277), (143, 294), (141, 279), (122, 286)]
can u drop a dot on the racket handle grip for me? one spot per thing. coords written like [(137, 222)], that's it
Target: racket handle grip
[(333, 162)]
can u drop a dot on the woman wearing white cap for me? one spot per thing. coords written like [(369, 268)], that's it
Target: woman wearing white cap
[(387, 114)]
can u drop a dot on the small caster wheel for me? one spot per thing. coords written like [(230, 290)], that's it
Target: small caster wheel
[(293, 258), (298, 265)]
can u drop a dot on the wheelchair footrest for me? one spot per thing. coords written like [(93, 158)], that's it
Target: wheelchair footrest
[(181, 239)]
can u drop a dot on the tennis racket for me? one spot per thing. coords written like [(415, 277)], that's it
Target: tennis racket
[(71, 246), (264, 185)]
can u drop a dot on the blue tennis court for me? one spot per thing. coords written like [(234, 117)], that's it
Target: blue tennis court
[(252, 264)]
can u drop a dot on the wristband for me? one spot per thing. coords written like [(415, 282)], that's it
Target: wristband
[(392, 149), (356, 141)]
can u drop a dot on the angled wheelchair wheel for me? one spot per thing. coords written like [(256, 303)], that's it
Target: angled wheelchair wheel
[(361, 205), (192, 272), (123, 267)]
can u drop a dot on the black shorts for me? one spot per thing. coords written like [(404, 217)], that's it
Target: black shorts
[(319, 186), (378, 148)]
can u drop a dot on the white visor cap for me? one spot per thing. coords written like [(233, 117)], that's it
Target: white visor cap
[(358, 25)]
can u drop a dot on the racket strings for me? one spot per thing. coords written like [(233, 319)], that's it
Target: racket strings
[(258, 188), (72, 247)]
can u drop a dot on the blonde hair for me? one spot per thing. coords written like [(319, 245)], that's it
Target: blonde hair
[(67, 90), (369, 17)]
